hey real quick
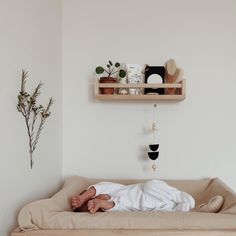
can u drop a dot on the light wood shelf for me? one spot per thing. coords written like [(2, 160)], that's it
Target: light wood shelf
[(178, 96)]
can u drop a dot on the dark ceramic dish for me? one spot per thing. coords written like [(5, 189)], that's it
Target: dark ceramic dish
[(153, 155), (154, 147)]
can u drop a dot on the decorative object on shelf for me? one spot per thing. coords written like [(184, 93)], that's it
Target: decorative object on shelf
[(172, 75), (135, 76), (124, 80), (153, 154), (34, 115), (110, 70), (123, 91), (154, 75), (107, 80)]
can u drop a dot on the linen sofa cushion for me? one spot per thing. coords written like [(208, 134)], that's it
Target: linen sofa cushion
[(217, 187)]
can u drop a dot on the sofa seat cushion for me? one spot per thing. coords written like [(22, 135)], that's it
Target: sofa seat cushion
[(134, 220)]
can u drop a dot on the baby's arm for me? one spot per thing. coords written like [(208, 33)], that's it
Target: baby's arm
[(103, 196)]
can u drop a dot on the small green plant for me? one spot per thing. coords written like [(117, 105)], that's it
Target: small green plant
[(111, 69), (27, 106)]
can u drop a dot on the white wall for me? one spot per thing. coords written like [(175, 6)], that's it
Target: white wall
[(196, 136), (108, 139), (30, 39)]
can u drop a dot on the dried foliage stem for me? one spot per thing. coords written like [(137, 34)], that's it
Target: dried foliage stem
[(27, 106)]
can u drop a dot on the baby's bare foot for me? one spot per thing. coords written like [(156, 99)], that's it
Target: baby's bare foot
[(95, 204), (83, 197), (77, 201), (92, 206)]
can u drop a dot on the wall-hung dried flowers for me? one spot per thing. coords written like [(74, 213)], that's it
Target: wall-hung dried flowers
[(34, 115)]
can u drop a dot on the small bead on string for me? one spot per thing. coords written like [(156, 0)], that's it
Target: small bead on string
[(154, 167)]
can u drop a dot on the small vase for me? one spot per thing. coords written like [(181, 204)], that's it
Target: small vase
[(123, 91)]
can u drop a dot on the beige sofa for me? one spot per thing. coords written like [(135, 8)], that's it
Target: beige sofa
[(53, 217)]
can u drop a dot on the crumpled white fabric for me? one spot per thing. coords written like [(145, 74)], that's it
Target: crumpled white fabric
[(153, 195)]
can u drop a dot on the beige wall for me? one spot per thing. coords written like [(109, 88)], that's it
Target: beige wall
[(30, 39), (196, 136)]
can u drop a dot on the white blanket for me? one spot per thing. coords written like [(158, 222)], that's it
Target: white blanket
[(153, 195)]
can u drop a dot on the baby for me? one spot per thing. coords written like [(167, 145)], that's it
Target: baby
[(153, 195)]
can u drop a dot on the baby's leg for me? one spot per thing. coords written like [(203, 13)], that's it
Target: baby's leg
[(95, 204), (165, 197), (79, 200), (107, 188), (103, 196)]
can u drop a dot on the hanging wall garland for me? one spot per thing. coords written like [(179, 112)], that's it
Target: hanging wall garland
[(154, 146)]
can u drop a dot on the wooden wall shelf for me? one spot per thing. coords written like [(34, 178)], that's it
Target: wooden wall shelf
[(178, 96)]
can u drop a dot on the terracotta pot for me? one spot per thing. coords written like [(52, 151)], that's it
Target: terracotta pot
[(107, 80)]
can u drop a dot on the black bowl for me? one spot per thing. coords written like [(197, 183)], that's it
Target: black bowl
[(154, 147), (153, 155)]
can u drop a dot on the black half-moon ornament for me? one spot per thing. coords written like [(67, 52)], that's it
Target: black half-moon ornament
[(153, 155), (154, 75), (154, 147)]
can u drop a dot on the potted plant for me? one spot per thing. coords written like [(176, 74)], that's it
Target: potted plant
[(110, 70)]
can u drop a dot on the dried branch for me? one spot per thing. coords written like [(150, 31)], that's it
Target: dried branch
[(23, 80), (40, 128), (27, 106)]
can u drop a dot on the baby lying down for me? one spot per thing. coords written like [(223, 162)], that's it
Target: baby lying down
[(153, 195)]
